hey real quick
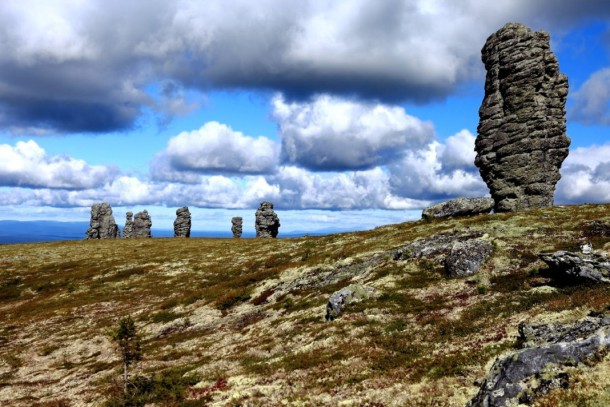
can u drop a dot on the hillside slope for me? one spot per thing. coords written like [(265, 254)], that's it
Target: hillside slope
[(241, 321)]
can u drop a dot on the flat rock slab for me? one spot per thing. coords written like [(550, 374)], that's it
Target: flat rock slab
[(459, 207)]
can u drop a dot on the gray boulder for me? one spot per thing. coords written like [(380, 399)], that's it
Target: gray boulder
[(521, 376), (467, 257), (433, 246), (128, 229), (522, 140), (236, 226), (593, 266), (267, 223), (102, 224), (142, 224), (344, 297), (459, 207), (182, 224)]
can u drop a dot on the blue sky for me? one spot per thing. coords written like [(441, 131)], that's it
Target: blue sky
[(346, 115)]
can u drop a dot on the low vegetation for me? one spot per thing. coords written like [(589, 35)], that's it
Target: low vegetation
[(241, 321)]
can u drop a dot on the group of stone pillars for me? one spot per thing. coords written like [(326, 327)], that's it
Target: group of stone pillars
[(103, 226)]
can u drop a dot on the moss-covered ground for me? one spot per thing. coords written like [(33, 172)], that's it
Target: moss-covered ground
[(241, 321)]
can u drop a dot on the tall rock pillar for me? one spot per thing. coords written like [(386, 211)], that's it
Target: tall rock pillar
[(522, 140)]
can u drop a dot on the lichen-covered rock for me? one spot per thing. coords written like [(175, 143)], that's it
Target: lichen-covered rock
[(344, 297), (531, 335), (436, 245), (593, 267), (128, 229), (459, 207), (182, 224), (142, 224), (102, 224), (267, 223), (521, 141), (467, 257), (236, 226), (521, 376)]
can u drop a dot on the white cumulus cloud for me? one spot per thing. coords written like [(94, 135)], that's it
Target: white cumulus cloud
[(214, 148), (440, 171), (28, 165), (585, 176), (333, 134), (592, 100)]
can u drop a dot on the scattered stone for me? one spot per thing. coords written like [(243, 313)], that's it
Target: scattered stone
[(267, 223), (524, 375), (236, 226), (182, 224), (102, 224), (142, 224), (459, 207), (466, 258), (344, 297), (521, 141), (593, 267), (128, 229)]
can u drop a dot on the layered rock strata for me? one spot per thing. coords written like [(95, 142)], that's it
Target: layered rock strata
[(521, 141), (128, 229), (182, 224), (142, 224), (237, 226), (267, 222), (102, 224)]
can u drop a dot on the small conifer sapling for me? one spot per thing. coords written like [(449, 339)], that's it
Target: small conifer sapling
[(128, 341)]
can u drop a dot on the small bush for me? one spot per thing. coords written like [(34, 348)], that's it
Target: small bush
[(168, 387)]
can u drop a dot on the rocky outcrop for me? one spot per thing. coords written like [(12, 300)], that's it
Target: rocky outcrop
[(521, 376), (532, 335), (142, 224), (593, 266), (521, 141), (236, 226), (466, 258), (182, 224), (102, 224), (128, 229), (267, 223), (459, 207), (344, 297), (434, 246)]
